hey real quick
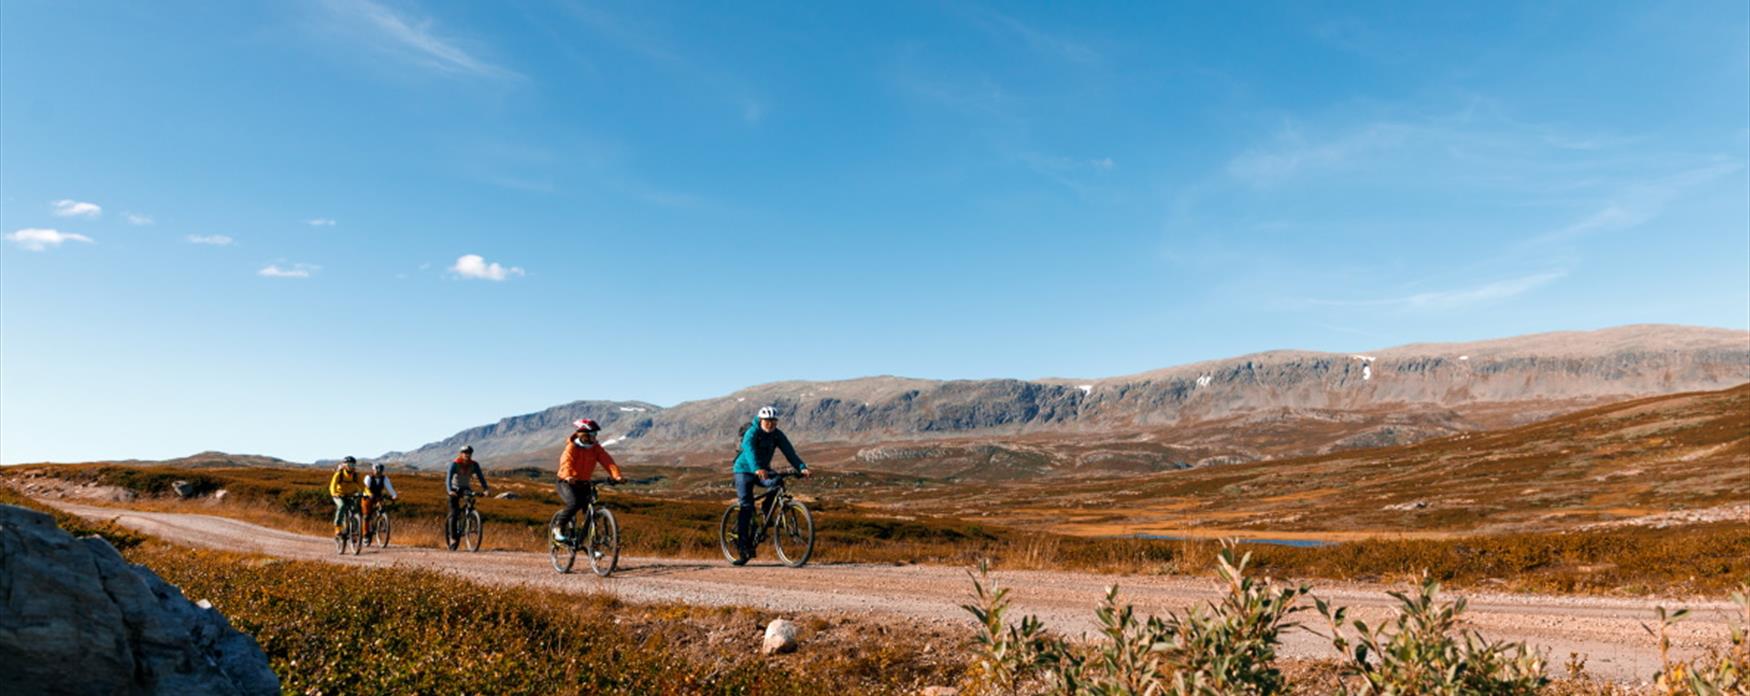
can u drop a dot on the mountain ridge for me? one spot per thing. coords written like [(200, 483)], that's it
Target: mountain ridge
[(1548, 373)]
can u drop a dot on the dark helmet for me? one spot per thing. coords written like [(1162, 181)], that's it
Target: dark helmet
[(586, 424), (467, 449)]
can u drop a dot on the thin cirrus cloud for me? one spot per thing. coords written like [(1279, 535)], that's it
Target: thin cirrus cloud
[(413, 40), (138, 219), (1458, 298), (68, 207), (320, 222), (39, 239), (295, 270), (476, 267), (210, 239)]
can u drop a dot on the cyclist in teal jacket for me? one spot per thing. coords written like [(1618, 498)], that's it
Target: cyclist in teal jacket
[(753, 467)]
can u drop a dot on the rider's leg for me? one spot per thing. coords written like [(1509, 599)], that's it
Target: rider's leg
[(744, 484), (365, 508), (455, 509), (339, 513), (568, 494)]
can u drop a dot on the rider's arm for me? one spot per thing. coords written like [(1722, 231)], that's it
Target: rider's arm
[(389, 486), (790, 453), (450, 479), (334, 485), (480, 473), (607, 462)]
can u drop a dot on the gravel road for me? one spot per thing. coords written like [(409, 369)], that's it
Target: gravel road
[(1607, 630)]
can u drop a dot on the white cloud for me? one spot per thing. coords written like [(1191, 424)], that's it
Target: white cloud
[(1460, 298), (320, 222), (210, 239), (415, 40), (475, 266), (296, 270), (138, 219), (36, 239), (68, 207)]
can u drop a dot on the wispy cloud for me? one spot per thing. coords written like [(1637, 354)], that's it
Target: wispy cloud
[(296, 270), (38, 239), (68, 207), (476, 267), (320, 222), (415, 40), (1457, 298), (210, 239), (1037, 39), (705, 73), (138, 219), (1292, 153)]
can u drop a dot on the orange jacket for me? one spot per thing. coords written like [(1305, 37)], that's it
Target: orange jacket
[(578, 463)]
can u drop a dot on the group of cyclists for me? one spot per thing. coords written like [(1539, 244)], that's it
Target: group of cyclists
[(761, 440)]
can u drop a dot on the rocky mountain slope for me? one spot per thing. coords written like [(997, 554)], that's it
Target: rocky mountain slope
[(1384, 397)]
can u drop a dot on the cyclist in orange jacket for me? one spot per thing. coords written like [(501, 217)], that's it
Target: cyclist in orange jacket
[(576, 464)]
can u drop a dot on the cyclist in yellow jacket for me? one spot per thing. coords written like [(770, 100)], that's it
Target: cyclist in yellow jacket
[(345, 473)]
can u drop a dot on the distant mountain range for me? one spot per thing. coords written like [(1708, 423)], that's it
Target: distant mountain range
[(1259, 406)]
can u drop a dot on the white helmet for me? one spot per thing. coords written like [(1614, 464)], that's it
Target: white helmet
[(768, 412)]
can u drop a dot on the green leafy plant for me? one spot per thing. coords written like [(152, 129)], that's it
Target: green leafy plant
[(1421, 651), (1722, 672)]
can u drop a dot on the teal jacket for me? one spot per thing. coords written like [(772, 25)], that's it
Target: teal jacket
[(757, 447)]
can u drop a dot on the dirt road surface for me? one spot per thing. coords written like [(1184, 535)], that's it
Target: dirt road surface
[(1606, 630)]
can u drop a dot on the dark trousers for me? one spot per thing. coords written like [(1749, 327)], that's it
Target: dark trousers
[(575, 495), (744, 493)]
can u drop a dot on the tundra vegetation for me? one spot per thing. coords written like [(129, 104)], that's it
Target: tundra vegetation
[(662, 518), (330, 629)]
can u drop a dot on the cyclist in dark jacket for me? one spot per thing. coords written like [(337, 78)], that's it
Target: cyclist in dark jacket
[(456, 481), (753, 467)]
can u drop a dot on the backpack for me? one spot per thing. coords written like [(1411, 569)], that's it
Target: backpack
[(741, 436)]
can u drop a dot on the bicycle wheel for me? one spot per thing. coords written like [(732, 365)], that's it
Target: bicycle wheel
[(794, 537), (604, 543), (340, 539), (471, 531), (380, 530), (726, 535), (565, 554), (356, 532)]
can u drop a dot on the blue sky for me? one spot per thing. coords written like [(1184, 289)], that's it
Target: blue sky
[(308, 229)]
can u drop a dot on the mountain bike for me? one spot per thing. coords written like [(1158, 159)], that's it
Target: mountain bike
[(380, 526), (464, 526), (600, 536), (351, 527), (780, 514)]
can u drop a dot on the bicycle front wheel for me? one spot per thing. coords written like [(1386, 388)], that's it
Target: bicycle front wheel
[(380, 530), (563, 554), (604, 543), (794, 537), (471, 531), (354, 534), (726, 535)]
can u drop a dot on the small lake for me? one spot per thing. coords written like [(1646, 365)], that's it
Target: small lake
[(1297, 543)]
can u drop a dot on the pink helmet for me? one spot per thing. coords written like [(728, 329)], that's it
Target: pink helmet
[(586, 424)]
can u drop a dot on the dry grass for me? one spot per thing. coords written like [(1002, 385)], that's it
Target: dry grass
[(1691, 560)]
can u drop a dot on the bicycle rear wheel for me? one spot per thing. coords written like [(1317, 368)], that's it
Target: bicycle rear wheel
[(471, 531), (726, 535), (604, 543), (380, 530), (794, 537), (563, 554)]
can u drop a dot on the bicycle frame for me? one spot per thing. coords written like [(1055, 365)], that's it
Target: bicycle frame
[(769, 504)]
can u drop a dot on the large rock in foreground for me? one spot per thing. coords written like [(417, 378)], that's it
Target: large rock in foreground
[(76, 618)]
